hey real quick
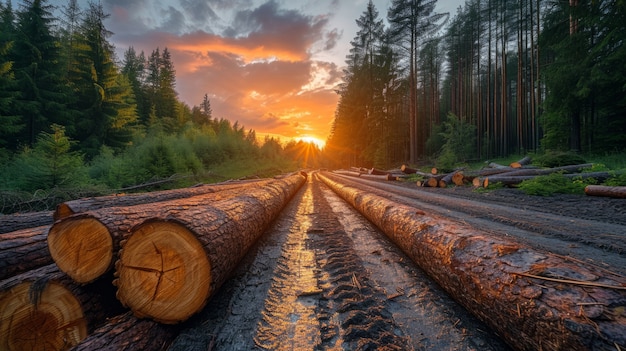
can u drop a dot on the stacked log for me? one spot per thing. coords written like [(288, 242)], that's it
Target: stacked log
[(23, 250), (85, 245), (43, 309), (173, 263), (198, 239), (533, 299), (618, 192)]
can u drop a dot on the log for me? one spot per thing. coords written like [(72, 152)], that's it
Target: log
[(545, 171), (408, 170), (521, 163), (533, 299), (126, 332), (172, 264), (348, 173), (606, 191), (451, 178), (515, 180), (43, 309), (85, 245), (379, 177), (69, 208), (23, 250), (17, 221), (374, 171)]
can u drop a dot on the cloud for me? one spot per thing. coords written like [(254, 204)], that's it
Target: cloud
[(259, 70)]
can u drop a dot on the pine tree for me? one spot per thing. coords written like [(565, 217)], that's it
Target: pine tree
[(36, 56), (106, 101), (9, 120)]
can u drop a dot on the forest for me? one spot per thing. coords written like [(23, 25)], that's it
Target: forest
[(496, 78), (75, 120)]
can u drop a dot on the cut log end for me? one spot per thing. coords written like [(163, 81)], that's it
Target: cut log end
[(82, 247), (52, 321), (163, 272)]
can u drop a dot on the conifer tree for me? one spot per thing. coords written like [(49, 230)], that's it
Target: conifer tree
[(36, 64)]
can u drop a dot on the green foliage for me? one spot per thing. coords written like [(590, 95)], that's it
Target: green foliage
[(49, 164), (555, 183), (459, 142)]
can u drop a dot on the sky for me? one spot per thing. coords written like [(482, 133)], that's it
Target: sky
[(271, 65)]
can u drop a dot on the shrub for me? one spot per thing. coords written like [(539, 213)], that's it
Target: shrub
[(555, 183)]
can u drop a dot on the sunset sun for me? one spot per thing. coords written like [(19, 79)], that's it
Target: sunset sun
[(313, 140)]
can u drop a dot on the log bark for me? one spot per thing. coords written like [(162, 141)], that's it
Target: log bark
[(43, 309), (23, 250), (374, 171), (451, 178), (606, 191), (348, 173), (515, 180), (173, 263), (408, 170), (533, 299), (85, 245), (521, 163), (126, 332), (69, 208), (545, 171), (18, 221), (379, 177)]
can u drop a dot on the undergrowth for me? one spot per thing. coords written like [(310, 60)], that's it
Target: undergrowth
[(555, 183)]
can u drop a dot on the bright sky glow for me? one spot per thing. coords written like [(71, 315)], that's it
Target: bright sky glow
[(271, 65)]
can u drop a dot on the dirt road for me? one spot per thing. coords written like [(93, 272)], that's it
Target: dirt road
[(324, 278)]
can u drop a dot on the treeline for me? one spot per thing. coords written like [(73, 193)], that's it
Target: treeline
[(500, 77), (72, 114)]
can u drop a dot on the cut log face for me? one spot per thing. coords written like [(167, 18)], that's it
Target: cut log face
[(82, 248), (52, 321), (163, 272)]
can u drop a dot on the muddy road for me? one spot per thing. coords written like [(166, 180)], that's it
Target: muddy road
[(324, 278)]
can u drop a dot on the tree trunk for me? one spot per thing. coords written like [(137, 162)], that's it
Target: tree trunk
[(544, 171), (451, 178), (85, 245), (69, 208), (173, 263), (607, 191), (128, 333), (43, 309), (23, 250), (533, 299)]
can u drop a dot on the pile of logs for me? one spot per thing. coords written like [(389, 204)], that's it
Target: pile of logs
[(166, 254), (510, 176)]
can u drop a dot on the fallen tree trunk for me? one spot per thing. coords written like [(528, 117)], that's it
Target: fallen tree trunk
[(606, 191), (521, 163), (379, 177), (173, 263), (545, 171), (128, 333), (515, 180), (43, 309), (69, 208), (455, 178), (85, 245), (408, 170), (23, 250), (534, 300), (374, 171), (18, 221), (348, 173)]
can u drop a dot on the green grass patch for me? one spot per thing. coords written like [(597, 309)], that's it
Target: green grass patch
[(555, 183)]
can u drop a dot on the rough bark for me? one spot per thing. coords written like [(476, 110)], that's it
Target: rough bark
[(533, 299), (85, 245), (17, 221), (23, 250), (455, 178), (606, 191), (515, 180), (172, 263), (43, 309), (126, 332), (545, 171), (69, 208)]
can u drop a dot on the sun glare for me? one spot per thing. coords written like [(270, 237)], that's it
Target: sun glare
[(313, 140)]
